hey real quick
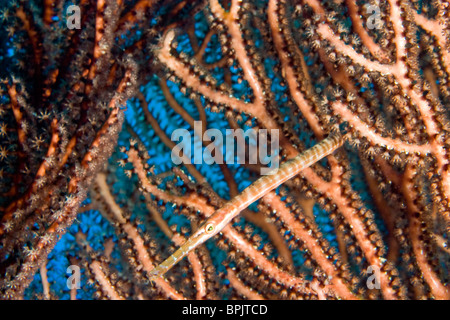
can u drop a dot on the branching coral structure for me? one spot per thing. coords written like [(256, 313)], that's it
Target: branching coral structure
[(355, 93)]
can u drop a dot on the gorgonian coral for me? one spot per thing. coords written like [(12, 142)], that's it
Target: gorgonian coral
[(370, 221)]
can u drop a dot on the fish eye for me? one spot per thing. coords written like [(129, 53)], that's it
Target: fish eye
[(209, 228)]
